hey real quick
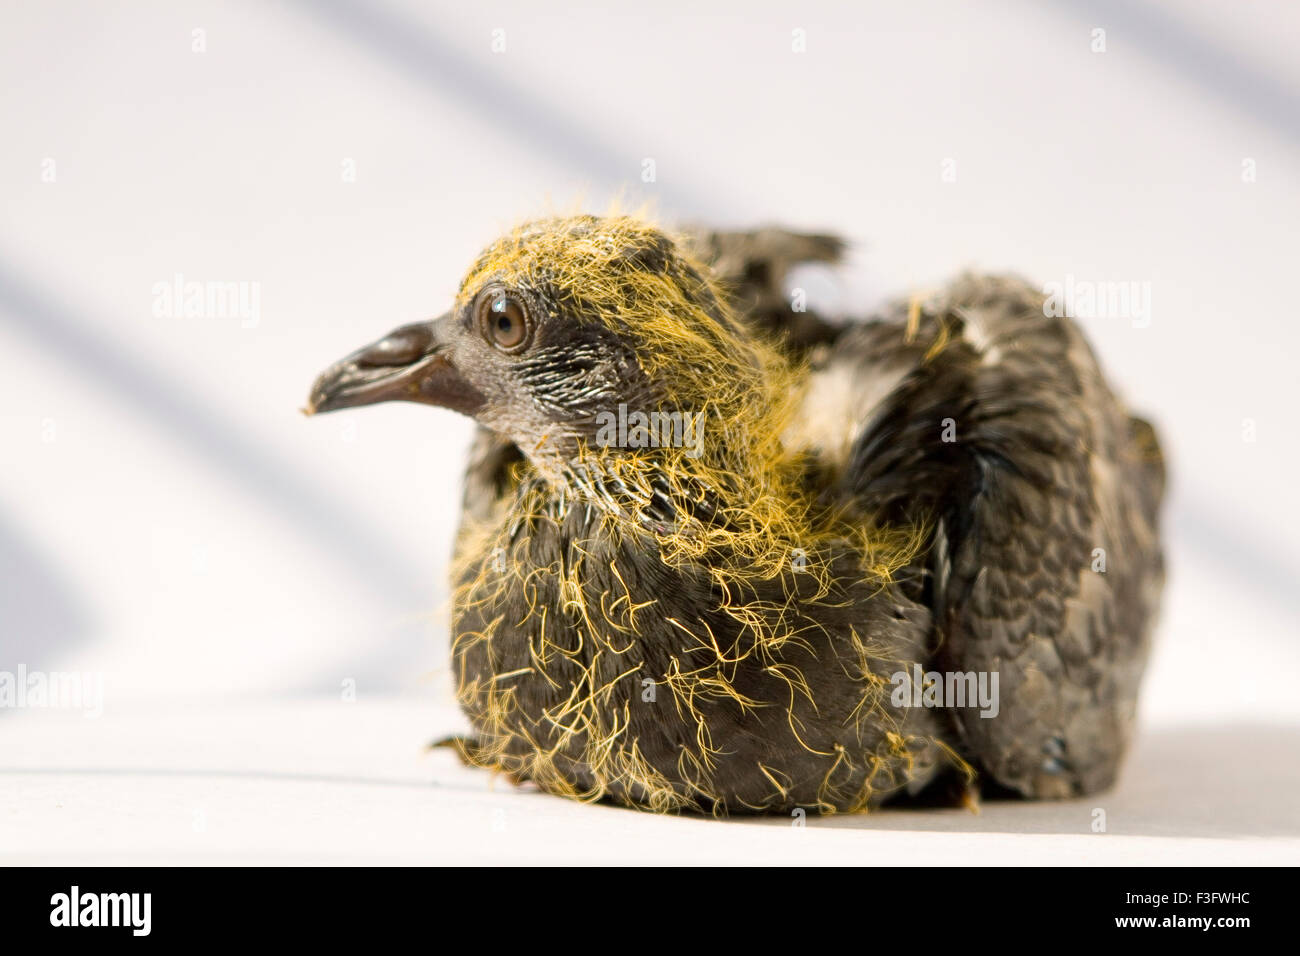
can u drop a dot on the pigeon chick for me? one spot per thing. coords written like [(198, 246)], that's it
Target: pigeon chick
[(718, 555)]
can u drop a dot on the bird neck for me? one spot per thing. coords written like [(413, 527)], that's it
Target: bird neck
[(739, 504), (651, 493), (706, 473)]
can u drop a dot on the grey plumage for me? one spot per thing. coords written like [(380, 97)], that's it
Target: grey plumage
[(971, 417), (1046, 566)]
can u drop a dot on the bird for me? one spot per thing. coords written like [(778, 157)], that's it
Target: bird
[(722, 554)]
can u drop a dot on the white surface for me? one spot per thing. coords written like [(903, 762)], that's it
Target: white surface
[(168, 521), (328, 782)]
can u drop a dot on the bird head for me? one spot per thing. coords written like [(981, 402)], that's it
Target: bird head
[(583, 340)]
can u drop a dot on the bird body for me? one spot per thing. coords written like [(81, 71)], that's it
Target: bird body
[(773, 608)]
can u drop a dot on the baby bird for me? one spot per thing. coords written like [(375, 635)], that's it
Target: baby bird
[(721, 555)]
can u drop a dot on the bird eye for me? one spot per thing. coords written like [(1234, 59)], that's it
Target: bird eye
[(503, 319)]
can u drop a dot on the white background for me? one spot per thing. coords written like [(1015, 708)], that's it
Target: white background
[(169, 521)]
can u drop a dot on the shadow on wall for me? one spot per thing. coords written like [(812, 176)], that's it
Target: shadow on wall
[(41, 617)]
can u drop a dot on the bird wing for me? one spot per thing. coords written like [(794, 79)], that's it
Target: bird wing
[(988, 422), (752, 267)]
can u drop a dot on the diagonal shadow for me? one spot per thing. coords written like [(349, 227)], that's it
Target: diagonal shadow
[(436, 64), (1196, 57), (373, 560), (40, 616)]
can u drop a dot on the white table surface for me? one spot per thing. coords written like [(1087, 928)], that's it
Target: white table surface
[(316, 782)]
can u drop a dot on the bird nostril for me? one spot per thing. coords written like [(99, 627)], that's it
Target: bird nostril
[(402, 347)]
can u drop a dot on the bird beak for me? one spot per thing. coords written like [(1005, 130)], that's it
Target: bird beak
[(409, 364)]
